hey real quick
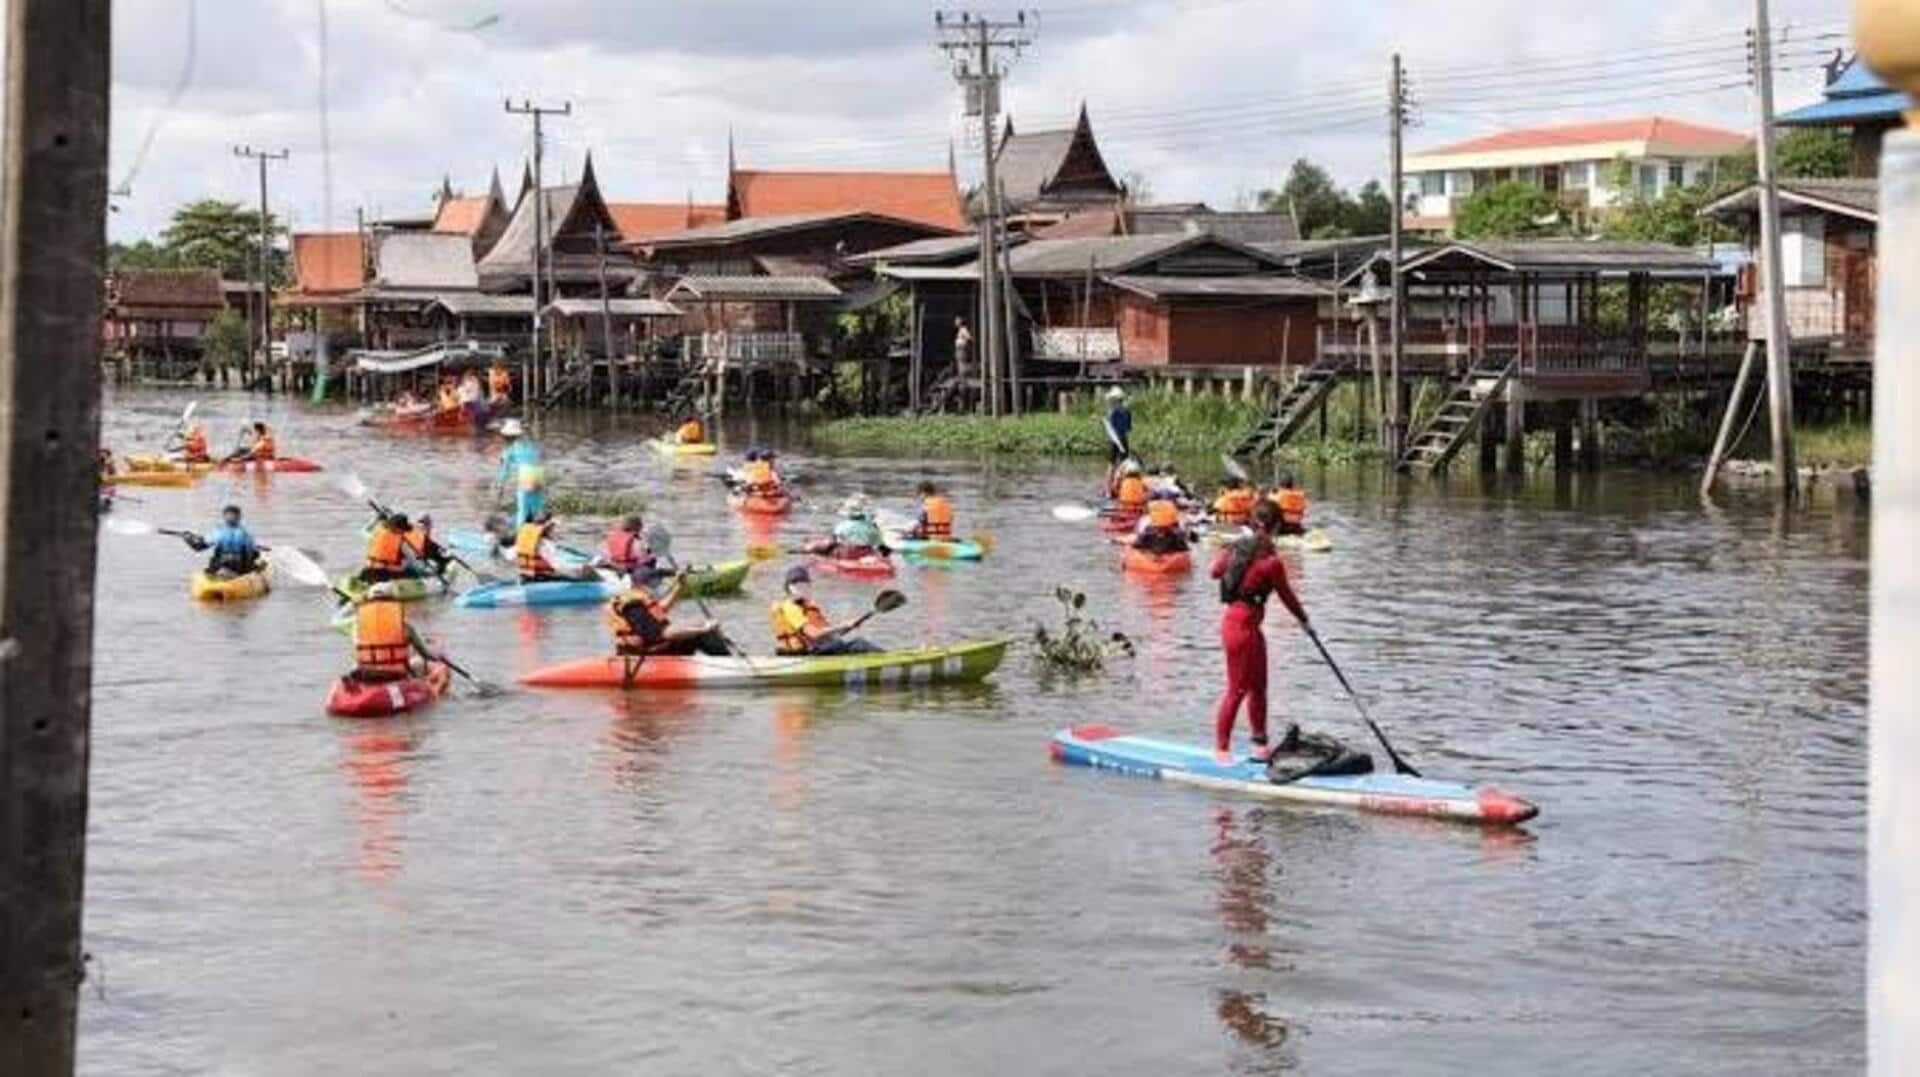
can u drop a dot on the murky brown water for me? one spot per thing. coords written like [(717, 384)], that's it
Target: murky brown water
[(826, 883)]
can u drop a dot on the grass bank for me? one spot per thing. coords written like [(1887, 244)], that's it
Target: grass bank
[(1840, 444), (1165, 425)]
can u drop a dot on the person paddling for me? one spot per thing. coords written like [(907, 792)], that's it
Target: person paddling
[(427, 552), (235, 553), (936, 515), (690, 431), (385, 647), (389, 554), (534, 552), (260, 446), (1130, 493), (1249, 572), (801, 627), (641, 626), (1234, 506), (626, 551), (1292, 503), (759, 476), (1160, 530), (499, 386), (854, 536), (193, 445), (520, 464)]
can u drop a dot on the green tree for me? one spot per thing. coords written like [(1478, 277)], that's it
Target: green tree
[(226, 341), (1508, 210), (1370, 212), (1807, 152), (212, 234), (1674, 217), (140, 254), (1316, 202)]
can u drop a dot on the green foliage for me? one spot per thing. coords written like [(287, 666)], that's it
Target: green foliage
[(141, 254), (1322, 209), (226, 340), (1164, 424), (607, 503), (1507, 211), (212, 234), (1078, 647), (1674, 217), (1807, 152), (1842, 444)]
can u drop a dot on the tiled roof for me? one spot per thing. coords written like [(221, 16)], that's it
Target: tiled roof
[(328, 262), (461, 216), (1655, 130), (923, 251), (923, 197), (645, 220), (168, 288)]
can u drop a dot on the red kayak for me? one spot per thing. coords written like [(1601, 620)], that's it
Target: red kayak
[(1156, 564), (281, 465), (871, 567), (763, 504), (1119, 521), (352, 698)]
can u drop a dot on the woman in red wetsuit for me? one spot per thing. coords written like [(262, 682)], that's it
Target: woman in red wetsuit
[(1249, 571)]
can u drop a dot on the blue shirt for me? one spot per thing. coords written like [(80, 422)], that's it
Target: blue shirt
[(232, 541), (522, 453), (1121, 419)]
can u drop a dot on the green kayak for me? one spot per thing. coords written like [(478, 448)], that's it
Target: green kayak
[(927, 665), (406, 589)]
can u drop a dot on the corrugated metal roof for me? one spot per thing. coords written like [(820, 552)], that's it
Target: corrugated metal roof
[(749, 228), (754, 288), (168, 288), (1853, 196), (478, 303), (624, 308), (1220, 287), (1537, 255), (425, 260), (1114, 254), (1857, 95), (924, 251)]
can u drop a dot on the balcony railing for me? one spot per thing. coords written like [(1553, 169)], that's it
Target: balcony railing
[(1071, 345), (746, 349)]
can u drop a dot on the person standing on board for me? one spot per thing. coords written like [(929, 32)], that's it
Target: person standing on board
[(520, 464), (1250, 571), (962, 351), (1119, 424)]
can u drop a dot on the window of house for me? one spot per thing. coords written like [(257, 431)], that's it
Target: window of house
[(1676, 174), (1461, 182), (1803, 251), (1578, 175), (1433, 184), (1647, 180)]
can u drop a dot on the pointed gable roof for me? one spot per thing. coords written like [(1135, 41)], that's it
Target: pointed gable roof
[(929, 198), (640, 221), (481, 218), (570, 214), (328, 263), (1063, 165)]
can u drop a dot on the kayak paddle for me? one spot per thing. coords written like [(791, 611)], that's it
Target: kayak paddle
[(1234, 468), (884, 602), (484, 689), (123, 525), (660, 542), (1399, 764), (297, 564)]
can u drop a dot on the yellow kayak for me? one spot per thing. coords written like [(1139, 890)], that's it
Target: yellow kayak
[(205, 588), (670, 447), (146, 477)]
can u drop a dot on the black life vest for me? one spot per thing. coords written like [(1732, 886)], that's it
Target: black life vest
[(1245, 552)]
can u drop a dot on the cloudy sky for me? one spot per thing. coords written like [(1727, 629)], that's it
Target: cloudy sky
[(1205, 99)]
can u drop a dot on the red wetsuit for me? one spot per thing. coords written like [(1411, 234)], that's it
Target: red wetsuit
[(1245, 645)]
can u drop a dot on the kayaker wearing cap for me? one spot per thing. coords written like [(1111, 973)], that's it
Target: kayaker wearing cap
[(234, 551), (854, 536), (690, 431), (1119, 424), (759, 475), (1249, 571), (1292, 503), (499, 385), (389, 555), (1234, 506), (801, 627), (425, 550), (1165, 482), (1160, 530), (520, 464), (625, 550), (1130, 493), (936, 515), (385, 646), (641, 626)]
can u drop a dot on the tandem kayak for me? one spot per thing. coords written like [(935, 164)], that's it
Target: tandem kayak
[(710, 581), (1107, 748), (351, 698), (206, 588), (404, 589), (1155, 564), (671, 448), (762, 504), (871, 567), (936, 549), (927, 665)]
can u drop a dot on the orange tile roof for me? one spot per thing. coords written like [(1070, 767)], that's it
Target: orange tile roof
[(1654, 129), (328, 262), (927, 197), (645, 220), (462, 216)]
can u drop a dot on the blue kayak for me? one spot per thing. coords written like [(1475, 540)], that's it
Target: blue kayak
[(935, 549), (478, 545), (491, 596), (1392, 794)]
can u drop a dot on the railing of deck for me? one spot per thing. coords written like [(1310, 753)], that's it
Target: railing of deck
[(746, 349), (1074, 345)]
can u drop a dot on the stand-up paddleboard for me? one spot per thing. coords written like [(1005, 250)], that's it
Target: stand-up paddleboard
[(1107, 748)]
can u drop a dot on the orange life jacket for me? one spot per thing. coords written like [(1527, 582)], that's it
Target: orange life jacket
[(263, 446), (759, 475), (384, 549), (380, 637), (1163, 514), (1292, 505), (194, 448), (690, 433), (417, 539), (625, 639), (1132, 493), (526, 550), (623, 548), (1235, 506), (791, 620), (936, 515)]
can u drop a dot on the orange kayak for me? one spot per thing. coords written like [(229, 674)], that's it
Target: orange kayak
[(763, 504), (1156, 564)]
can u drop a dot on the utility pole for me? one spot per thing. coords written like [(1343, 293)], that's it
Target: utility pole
[(1396, 308), (532, 378), (973, 41), (53, 207), (1779, 337), (261, 157), (606, 322)]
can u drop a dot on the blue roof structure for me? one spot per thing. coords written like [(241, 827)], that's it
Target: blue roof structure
[(1857, 96)]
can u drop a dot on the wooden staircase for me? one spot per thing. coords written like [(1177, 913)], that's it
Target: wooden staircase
[(1309, 387), (1459, 416), (574, 383)]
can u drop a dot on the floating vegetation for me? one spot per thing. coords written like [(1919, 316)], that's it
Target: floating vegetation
[(594, 502), (1079, 646)]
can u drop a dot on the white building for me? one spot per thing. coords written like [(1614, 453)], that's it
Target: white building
[(1576, 161)]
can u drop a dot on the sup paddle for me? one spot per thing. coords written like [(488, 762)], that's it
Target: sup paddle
[(1400, 765)]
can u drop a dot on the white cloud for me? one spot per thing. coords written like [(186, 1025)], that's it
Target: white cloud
[(1207, 98)]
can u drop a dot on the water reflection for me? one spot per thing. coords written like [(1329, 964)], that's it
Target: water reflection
[(1242, 869), (378, 757)]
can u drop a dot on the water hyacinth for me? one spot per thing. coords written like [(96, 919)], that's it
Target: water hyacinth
[(1079, 646)]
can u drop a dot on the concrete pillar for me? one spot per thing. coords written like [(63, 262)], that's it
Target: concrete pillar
[(1516, 444)]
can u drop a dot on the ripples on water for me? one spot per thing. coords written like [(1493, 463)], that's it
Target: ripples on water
[(832, 883)]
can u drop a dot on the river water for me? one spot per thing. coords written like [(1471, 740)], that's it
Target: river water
[(837, 883)]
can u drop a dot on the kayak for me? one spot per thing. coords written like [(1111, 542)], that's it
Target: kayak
[(873, 566), (352, 698), (761, 504), (1155, 564), (1119, 521), (148, 477), (937, 549), (1390, 794), (405, 589), (282, 464), (480, 546), (724, 578), (670, 447), (927, 665), (426, 421), (205, 588), (1314, 541)]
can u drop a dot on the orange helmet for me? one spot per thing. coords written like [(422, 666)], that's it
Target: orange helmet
[(1163, 513)]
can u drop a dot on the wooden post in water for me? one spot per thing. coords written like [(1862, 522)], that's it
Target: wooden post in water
[(53, 202)]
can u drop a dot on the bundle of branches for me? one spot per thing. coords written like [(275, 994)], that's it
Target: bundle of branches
[(1079, 646)]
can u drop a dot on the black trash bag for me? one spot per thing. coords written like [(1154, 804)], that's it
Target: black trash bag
[(1315, 754)]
